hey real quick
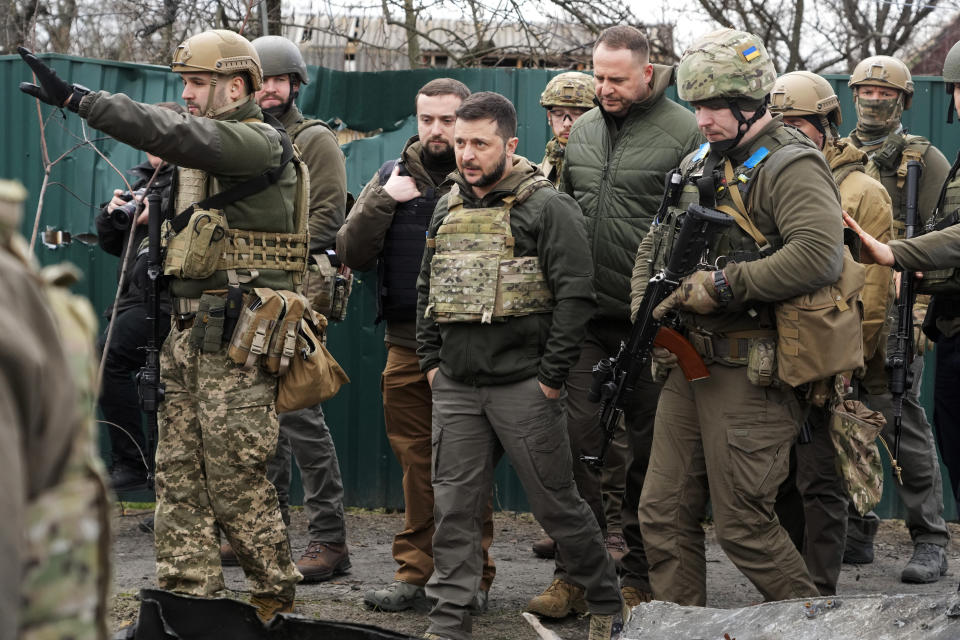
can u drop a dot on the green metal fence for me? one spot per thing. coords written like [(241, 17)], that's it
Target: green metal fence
[(363, 101)]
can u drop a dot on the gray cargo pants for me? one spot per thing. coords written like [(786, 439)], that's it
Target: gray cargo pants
[(472, 428), (305, 433), (922, 490)]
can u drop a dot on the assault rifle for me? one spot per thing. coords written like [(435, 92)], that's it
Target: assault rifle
[(149, 387), (614, 377), (900, 347)]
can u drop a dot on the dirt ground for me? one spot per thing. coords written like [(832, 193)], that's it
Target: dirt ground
[(520, 575)]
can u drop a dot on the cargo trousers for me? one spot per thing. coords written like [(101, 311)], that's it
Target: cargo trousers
[(724, 439), (407, 407), (472, 428), (218, 428), (922, 490), (304, 433)]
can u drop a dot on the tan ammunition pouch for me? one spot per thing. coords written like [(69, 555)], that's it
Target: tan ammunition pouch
[(819, 334), (327, 287), (474, 276), (314, 375), (263, 309)]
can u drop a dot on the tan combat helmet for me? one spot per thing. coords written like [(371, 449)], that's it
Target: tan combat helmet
[(803, 94), (951, 77), (570, 89), (884, 71), (222, 53)]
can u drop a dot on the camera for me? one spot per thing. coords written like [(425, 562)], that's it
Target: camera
[(122, 216)]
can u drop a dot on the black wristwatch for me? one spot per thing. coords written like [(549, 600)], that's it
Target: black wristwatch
[(724, 292)]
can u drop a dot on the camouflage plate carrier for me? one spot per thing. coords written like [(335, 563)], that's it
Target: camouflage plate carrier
[(474, 276)]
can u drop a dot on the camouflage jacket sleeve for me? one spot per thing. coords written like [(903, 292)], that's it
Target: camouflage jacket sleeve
[(799, 205), (230, 149), (568, 267), (360, 239), (428, 333), (328, 184), (641, 274), (867, 202), (936, 250)]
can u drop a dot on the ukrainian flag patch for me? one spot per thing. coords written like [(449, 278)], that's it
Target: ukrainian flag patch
[(750, 52)]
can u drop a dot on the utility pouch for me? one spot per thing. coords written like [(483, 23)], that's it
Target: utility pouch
[(854, 429), (265, 308), (193, 253), (314, 375), (206, 334), (820, 334), (888, 156), (283, 342), (762, 362), (327, 286)]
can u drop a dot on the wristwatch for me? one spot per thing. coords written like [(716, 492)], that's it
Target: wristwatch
[(724, 292)]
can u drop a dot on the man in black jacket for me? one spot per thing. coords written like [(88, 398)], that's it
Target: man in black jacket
[(119, 402)]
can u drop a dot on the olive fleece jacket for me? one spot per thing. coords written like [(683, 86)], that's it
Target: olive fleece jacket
[(547, 224), (328, 178)]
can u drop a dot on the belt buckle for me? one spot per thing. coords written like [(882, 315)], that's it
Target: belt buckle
[(702, 343)]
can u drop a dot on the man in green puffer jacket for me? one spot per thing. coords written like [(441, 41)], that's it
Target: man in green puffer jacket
[(616, 160)]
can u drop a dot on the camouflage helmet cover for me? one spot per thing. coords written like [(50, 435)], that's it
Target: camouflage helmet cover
[(802, 93), (951, 64), (570, 89), (279, 56), (884, 71), (218, 51), (725, 64)]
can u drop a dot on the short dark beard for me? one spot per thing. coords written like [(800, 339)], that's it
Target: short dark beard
[(443, 159), (494, 176)]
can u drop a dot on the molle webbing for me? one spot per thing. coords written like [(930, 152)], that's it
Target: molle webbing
[(264, 250)]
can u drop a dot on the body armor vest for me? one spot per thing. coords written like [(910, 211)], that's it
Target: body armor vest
[(402, 253), (888, 165), (474, 276), (945, 283)]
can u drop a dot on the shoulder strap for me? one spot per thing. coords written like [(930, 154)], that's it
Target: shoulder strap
[(739, 214), (306, 124), (243, 189), (529, 186)]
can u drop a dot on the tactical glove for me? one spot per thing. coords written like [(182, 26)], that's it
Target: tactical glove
[(51, 89), (697, 293)]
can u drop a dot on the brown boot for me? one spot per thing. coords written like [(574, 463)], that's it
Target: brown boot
[(228, 557), (633, 596), (559, 600), (323, 560), (545, 548), (268, 607), (616, 546)]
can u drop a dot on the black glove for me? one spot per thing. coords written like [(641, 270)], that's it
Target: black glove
[(51, 89)]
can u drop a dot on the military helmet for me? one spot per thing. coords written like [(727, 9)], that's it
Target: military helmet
[(218, 51), (279, 56), (801, 93), (570, 89), (884, 71), (951, 64), (725, 64)]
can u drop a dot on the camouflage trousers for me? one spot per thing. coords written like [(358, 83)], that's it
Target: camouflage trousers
[(218, 429)]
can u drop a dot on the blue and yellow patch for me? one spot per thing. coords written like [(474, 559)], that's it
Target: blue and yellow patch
[(750, 52)]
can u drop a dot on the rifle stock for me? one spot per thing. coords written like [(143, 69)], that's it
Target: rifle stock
[(614, 377)]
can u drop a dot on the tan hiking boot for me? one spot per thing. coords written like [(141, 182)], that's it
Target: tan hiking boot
[(633, 596), (323, 560), (608, 627), (559, 600), (268, 607), (228, 557)]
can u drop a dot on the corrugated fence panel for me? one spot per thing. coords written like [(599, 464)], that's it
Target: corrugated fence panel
[(363, 101)]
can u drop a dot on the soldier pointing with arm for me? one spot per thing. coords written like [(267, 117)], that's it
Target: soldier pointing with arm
[(218, 426)]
